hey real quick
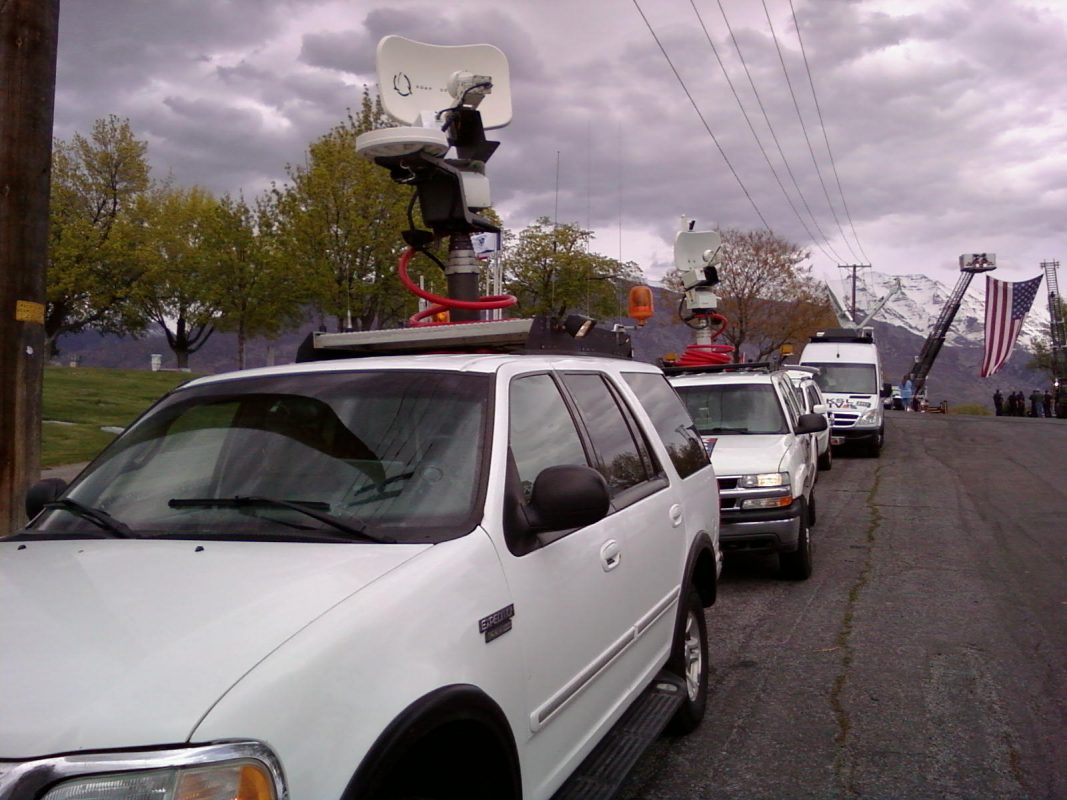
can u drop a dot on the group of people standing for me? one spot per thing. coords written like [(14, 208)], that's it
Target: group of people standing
[(1015, 405)]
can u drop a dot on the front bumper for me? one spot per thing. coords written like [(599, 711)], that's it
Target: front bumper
[(768, 531), (840, 436)]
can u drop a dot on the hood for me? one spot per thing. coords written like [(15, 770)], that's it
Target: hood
[(113, 644), (744, 454)]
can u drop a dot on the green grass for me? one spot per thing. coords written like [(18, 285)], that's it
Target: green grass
[(974, 409), (78, 402)]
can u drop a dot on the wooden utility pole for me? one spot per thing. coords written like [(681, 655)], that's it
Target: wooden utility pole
[(29, 31), (853, 267)]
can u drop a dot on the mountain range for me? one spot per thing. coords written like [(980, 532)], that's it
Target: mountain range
[(900, 329)]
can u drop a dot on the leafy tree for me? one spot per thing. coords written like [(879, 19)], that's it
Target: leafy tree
[(179, 288), (96, 182), (551, 270), (338, 222), (252, 287), (769, 297)]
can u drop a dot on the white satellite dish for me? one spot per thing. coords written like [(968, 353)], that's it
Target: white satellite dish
[(418, 80)]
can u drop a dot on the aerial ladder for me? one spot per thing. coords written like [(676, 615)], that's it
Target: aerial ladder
[(970, 265), (1058, 331)]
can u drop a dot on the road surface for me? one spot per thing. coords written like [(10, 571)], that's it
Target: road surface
[(927, 655)]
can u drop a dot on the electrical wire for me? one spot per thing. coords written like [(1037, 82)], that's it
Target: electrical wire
[(826, 138), (774, 136), (696, 108), (804, 128), (755, 135), (441, 303)]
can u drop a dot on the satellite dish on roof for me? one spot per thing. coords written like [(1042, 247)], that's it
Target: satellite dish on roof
[(419, 80)]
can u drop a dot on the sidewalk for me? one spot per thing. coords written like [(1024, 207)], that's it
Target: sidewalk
[(66, 472)]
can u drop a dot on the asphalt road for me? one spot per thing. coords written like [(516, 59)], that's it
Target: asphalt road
[(926, 657)]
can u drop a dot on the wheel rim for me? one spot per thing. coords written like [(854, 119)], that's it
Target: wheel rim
[(694, 656)]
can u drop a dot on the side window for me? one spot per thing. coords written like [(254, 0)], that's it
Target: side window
[(621, 459), (671, 420), (813, 398), (542, 432), (791, 403)]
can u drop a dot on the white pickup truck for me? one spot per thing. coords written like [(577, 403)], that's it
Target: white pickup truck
[(446, 576), (761, 444)]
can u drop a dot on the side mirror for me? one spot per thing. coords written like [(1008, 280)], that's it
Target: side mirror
[(44, 491), (568, 497), (819, 408), (811, 423)]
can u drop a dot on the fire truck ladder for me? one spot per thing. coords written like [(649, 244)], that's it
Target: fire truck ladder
[(1058, 329), (932, 346)]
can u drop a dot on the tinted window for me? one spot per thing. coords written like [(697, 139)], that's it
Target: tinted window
[(542, 432), (671, 420), (620, 459), (734, 408), (847, 378)]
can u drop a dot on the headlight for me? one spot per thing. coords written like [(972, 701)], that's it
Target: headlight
[(247, 780), (234, 770), (764, 480), (868, 418)]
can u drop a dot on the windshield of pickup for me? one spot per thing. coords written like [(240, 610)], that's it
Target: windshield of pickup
[(367, 456), (846, 378), (734, 408)]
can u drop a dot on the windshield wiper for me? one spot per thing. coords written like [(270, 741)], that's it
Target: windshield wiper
[(315, 510), (728, 430), (97, 516)]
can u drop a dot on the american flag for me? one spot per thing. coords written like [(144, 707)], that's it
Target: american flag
[(1006, 305)]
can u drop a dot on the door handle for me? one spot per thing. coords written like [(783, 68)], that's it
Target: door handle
[(610, 555), (676, 515)]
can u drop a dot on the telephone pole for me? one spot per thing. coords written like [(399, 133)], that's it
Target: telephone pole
[(29, 32), (853, 267)]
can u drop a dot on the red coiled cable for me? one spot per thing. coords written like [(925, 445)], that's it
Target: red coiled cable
[(486, 303), (700, 355)]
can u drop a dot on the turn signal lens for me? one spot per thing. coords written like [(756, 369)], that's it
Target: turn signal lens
[(768, 502), (246, 781)]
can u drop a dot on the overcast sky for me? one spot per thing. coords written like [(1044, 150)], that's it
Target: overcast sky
[(947, 119)]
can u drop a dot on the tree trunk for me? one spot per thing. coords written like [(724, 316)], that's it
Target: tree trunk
[(241, 346)]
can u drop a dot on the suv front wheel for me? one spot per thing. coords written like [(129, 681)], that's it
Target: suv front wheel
[(796, 566)]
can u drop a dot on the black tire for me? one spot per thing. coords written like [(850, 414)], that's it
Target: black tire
[(874, 447), (826, 460), (811, 508), (796, 566), (689, 661)]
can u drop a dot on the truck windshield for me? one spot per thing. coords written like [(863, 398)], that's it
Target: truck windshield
[(367, 456), (734, 408), (846, 378)]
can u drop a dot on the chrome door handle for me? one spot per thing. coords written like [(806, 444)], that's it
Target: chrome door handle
[(610, 555)]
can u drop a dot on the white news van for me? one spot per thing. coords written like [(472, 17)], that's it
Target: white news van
[(850, 376)]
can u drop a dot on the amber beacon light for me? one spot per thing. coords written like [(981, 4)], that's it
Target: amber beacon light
[(641, 309)]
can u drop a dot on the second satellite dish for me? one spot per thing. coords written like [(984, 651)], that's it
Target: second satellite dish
[(414, 78)]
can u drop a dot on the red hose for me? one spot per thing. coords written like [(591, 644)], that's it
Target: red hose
[(700, 355), (442, 303)]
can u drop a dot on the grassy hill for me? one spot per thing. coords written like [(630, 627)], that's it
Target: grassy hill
[(78, 403)]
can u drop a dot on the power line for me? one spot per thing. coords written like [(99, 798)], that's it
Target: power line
[(826, 138), (755, 135), (696, 108), (774, 136), (804, 128)]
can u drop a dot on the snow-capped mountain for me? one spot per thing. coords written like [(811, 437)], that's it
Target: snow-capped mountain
[(921, 298)]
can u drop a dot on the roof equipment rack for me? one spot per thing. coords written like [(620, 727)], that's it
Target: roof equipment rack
[(855, 335), (530, 335), (749, 366)]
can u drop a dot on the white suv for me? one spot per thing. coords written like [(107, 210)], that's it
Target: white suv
[(760, 441), (436, 576), (812, 401)]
